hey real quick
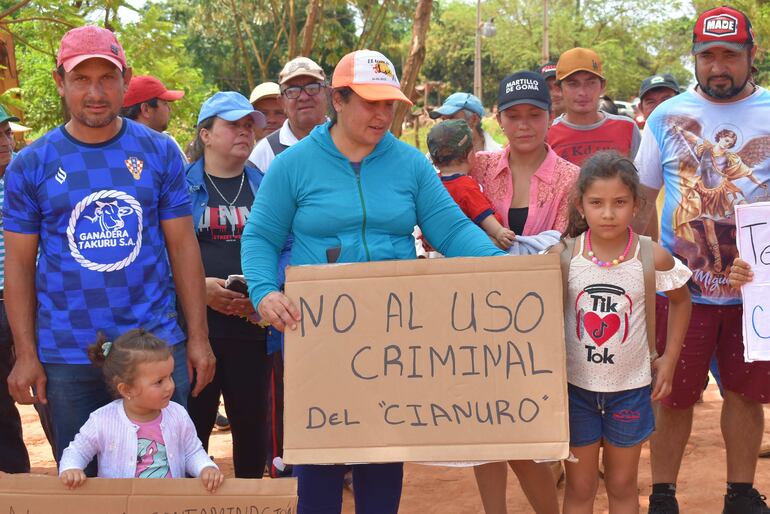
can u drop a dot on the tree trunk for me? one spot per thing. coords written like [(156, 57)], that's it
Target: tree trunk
[(307, 36), (242, 46), (292, 32), (413, 61)]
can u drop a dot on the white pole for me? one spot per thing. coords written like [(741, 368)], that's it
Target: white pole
[(477, 58)]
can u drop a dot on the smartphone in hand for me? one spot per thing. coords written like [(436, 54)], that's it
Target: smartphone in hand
[(237, 283)]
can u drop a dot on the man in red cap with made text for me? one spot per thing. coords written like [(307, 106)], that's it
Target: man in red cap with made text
[(710, 147), (147, 102), (97, 217)]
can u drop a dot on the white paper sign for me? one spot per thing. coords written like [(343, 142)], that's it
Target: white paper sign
[(752, 223)]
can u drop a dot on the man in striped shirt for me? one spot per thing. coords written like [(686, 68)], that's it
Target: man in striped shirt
[(13, 453)]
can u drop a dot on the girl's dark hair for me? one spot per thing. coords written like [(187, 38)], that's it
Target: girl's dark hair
[(135, 347), (345, 94), (196, 152), (602, 166)]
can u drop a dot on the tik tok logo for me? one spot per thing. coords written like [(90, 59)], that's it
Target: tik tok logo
[(601, 312)]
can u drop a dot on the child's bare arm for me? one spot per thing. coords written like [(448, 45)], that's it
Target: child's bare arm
[(504, 237), (679, 309)]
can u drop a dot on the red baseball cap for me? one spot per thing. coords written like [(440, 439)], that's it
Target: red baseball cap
[(88, 42), (722, 26), (145, 87)]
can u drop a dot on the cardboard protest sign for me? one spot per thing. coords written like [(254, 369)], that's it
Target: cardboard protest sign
[(35, 494), (752, 222), (426, 360)]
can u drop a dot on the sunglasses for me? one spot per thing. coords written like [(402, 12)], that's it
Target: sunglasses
[(294, 92)]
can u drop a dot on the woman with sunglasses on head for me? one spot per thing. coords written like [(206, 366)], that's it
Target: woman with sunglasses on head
[(222, 188), (353, 187)]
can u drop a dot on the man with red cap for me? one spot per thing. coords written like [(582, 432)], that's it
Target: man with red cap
[(147, 102), (97, 218), (709, 147)]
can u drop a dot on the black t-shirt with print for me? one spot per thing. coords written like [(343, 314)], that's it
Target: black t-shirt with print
[(219, 236)]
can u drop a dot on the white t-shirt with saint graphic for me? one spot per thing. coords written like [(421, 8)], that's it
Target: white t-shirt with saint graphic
[(710, 157), (606, 331)]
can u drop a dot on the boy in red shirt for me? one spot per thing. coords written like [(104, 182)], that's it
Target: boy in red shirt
[(583, 130), (451, 147)]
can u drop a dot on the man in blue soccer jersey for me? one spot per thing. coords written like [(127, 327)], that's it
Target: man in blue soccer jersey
[(101, 199)]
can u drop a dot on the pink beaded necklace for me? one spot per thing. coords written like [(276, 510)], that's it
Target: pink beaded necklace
[(613, 262)]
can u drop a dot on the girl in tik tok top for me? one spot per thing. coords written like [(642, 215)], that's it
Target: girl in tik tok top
[(143, 434), (609, 368)]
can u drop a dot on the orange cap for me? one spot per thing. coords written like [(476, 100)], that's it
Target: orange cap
[(370, 74), (578, 59)]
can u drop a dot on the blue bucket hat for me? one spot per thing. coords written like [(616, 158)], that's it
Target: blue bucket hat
[(230, 106), (457, 101)]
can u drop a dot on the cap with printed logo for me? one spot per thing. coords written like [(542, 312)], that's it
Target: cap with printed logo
[(301, 67), (578, 59), (89, 42), (523, 87), (548, 69), (230, 106), (457, 101), (449, 140), (666, 80), (723, 26), (370, 74), (145, 87), (264, 90)]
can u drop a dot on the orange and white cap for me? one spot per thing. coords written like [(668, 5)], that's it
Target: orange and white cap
[(370, 74)]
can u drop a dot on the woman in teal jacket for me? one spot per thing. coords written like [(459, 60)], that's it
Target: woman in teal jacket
[(350, 192)]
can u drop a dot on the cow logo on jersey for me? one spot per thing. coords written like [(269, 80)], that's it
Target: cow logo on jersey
[(105, 231), (135, 166), (721, 25), (716, 171), (601, 312)]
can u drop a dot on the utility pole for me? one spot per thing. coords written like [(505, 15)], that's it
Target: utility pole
[(546, 50)]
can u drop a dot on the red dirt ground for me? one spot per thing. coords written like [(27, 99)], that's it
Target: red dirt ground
[(429, 489)]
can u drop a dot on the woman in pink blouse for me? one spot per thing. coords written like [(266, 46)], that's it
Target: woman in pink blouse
[(530, 186)]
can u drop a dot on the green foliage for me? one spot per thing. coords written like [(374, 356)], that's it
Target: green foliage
[(195, 45), (153, 47), (632, 45)]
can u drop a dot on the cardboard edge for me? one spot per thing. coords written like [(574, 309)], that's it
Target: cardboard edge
[(422, 267), (438, 453), (52, 486)]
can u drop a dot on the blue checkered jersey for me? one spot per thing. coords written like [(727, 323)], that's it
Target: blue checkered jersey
[(97, 209)]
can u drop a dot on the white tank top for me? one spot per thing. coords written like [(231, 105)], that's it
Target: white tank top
[(606, 333)]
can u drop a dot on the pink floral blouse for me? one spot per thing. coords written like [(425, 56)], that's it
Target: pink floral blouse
[(549, 192)]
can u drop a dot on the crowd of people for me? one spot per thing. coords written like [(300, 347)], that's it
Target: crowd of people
[(126, 317)]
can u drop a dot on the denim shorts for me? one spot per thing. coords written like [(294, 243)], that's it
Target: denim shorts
[(623, 419)]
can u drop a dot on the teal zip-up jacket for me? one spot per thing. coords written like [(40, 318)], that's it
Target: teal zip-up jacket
[(314, 192)]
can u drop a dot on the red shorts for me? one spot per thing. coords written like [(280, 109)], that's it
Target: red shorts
[(713, 328)]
